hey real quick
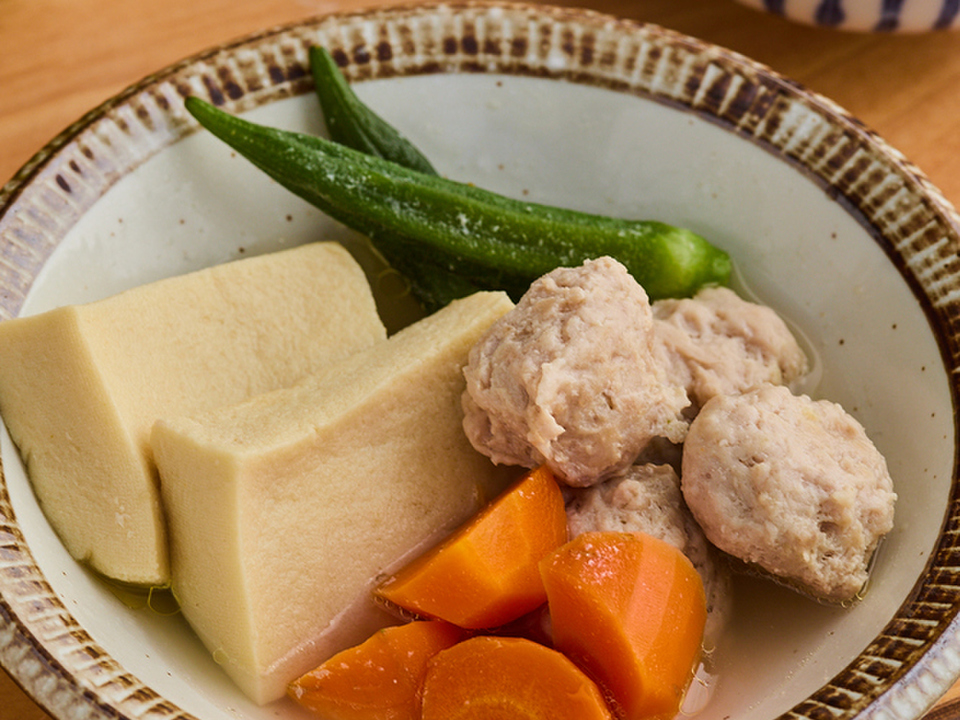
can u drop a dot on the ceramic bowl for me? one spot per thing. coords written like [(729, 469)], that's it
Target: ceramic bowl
[(826, 223), (908, 16)]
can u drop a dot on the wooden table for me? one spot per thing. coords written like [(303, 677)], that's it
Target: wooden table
[(59, 59)]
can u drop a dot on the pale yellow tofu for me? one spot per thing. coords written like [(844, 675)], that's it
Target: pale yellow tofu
[(81, 386), (284, 510)]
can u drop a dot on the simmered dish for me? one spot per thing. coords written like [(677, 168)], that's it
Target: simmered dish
[(532, 499)]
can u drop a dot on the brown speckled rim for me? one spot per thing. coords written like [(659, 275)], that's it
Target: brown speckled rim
[(917, 656)]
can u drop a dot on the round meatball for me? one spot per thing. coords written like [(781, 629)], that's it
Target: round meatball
[(568, 377), (789, 484), (719, 344), (647, 498)]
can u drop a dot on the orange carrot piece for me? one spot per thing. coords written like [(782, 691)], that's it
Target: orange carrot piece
[(486, 573), (380, 679), (497, 678), (630, 610)]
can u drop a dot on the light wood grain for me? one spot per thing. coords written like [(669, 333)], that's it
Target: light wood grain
[(60, 58)]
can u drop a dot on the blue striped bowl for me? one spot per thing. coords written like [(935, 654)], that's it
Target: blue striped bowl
[(867, 15)]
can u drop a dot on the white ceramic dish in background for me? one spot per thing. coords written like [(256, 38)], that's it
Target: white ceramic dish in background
[(826, 223), (907, 16)]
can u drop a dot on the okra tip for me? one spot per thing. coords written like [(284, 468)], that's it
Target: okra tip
[(199, 108)]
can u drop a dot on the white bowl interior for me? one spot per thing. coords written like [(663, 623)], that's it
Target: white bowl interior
[(196, 203)]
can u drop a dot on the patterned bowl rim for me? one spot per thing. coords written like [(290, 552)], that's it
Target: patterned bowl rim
[(916, 657)]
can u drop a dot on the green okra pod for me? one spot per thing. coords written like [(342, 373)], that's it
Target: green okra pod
[(352, 123), (491, 241)]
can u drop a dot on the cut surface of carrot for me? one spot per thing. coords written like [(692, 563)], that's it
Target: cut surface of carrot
[(496, 678), (630, 610), (381, 678), (486, 573)]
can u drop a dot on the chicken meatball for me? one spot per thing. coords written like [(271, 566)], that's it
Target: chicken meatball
[(647, 499), (719, 344), (568, 378), (791, 485)]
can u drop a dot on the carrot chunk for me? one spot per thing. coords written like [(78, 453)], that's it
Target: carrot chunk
[(380, 679), (486, 573), (496, 678), (630, 610)]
